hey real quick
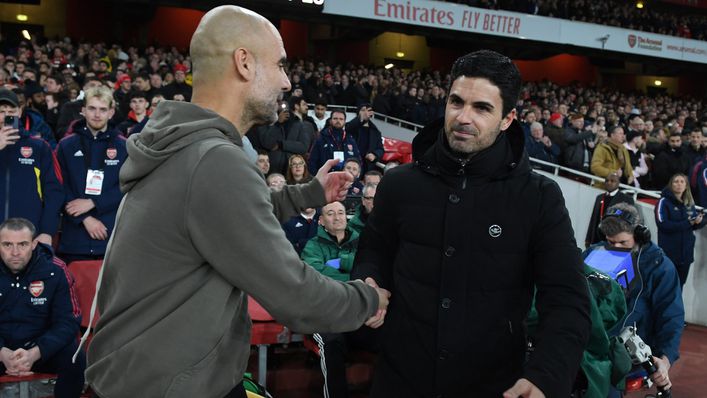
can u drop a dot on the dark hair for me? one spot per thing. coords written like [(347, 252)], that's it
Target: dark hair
[(136, 94), (337, 110), (58, 78), (320, 102), (18, 224), (495, 67), (262, 152), (614, 225), (373, 173), (613, 128), (295, 100), (355, 160), (143, 75)]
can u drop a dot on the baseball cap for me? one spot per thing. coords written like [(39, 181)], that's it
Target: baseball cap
[(8, 97)]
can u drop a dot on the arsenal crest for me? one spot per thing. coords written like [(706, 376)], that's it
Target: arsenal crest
[(26, 151), (36, 288), (111, 153), (631, 40)]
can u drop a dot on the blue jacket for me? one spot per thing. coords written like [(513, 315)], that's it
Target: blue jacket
[(33, 121), (30, 183), (298, 231), (675, 232), (108, 153), (657, 309), (38, 306), (328, 142)]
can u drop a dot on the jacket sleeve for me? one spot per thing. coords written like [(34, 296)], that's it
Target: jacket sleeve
[(315, 157), (601, 153), (378, 243), (562, 297), (292, 199), (239, 236), (376, 142), (668, 310), (572, 138), (269, 135), (65, 316), (67, 179), (52, 192), (314, 255), (663, 221), (642, 168), (302, 141)]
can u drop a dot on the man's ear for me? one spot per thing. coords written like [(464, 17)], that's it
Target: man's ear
[(508, 119), (244, 63)]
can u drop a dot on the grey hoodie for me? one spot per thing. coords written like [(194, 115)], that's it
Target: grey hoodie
[(195, 234)]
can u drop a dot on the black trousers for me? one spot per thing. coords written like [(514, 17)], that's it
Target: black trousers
[(333, 350)]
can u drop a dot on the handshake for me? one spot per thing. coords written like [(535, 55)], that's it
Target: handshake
[(376, 320)]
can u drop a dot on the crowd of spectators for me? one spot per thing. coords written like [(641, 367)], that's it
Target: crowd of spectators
[(655, 18), (645, 139)]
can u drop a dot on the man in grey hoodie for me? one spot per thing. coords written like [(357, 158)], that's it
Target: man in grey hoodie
[(196, 232)]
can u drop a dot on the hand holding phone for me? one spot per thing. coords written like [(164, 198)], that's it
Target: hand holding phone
[(8, 135)]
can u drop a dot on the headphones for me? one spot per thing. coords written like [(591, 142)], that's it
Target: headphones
[(641, 233)]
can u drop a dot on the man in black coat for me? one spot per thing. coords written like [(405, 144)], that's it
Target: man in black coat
[(367, 136), (463, 237), (602, 203), (671, 160)]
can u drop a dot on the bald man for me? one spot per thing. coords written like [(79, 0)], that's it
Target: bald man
[(196, 233)]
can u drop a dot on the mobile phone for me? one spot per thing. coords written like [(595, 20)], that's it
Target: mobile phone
[(12, 121)]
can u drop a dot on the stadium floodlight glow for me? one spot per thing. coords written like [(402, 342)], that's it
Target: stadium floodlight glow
[(22, 17), (639, 4), (658, 82), (388, 66), (400, 54), (26, 35)]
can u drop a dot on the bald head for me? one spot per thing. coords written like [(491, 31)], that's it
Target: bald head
[(220, 33), (238, 60)]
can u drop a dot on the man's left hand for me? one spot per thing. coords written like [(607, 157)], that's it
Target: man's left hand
[(79, 206), (371, 157), (335, 184), (523, 388)]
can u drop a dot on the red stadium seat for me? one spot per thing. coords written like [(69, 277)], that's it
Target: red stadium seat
[(86, 274)]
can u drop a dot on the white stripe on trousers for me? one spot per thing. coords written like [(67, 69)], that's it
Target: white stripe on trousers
[(322, 362)]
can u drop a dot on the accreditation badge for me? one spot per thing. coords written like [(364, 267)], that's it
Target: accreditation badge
[(94, 182)]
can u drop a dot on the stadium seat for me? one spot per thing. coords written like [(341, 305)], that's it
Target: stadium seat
[(86, 274), (24, 381)]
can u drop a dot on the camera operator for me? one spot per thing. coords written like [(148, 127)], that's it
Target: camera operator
[(654, 297)]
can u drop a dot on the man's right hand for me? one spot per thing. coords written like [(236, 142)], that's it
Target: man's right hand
[(377, 320), (660, 376), (96, 229), (8, 136)]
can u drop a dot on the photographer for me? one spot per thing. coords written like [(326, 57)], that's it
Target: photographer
[(654, 297), (29, 165)]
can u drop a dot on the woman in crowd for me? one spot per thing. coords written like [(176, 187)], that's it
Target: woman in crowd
[(297, 171), (677, 218)]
